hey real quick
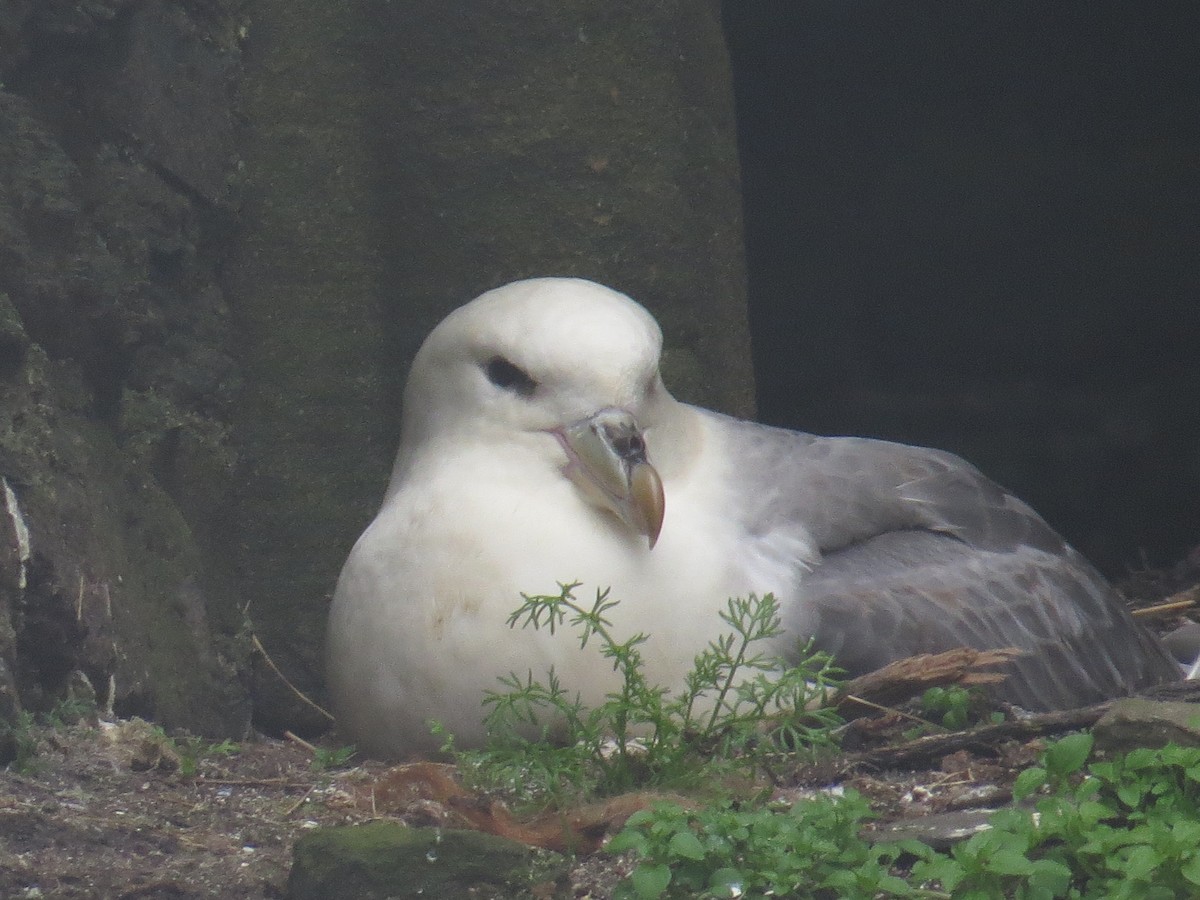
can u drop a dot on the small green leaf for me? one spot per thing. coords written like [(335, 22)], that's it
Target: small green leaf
[(1187, 832), (641, 817), (687, 845), (1144, 757), (629, 839), (1141, 862), (727, 882), (651, 882), (1067, 756), (945, 870), (1009, 862), (1028, 782), (1091, 812), (1191, 869), (1051, 877), (894, 886), (1089, 788)]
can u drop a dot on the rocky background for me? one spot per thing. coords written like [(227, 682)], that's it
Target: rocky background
[(224, 230), (226, 226), (118, 374)]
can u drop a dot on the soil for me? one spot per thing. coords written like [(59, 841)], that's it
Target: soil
[(99, 813), (115, 809), (112, 810)]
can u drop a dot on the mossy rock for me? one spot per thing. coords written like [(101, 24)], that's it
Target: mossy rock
[(389, 860), (1133, 722)]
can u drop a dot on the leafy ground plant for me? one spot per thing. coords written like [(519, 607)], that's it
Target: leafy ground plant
[(812, 849), (325, 759), (19, 740), (192, 750), (1124, 828), (740, 705)]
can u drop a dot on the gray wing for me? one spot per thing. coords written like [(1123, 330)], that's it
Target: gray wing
[(921, 553)]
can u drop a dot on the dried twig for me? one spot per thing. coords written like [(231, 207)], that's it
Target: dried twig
[(290, 811), (851, 699), (295, 690), (253, 782), (296, 739), (986, 737), (1184, 599), (932, 747)]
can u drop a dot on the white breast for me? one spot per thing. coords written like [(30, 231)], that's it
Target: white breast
[(419, 624)]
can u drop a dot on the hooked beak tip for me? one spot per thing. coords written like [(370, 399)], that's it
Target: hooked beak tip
[(646, 492)]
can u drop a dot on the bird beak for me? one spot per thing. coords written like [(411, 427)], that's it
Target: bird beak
[(606, 460)]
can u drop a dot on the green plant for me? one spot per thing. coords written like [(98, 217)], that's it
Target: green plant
[(1124, 828), (21, 735), (812, 849), (1128, 827), (191, 750), (953, 708), (325, 758), (69, 711), (740, 706), (950, 705), (22, 739), (227, 747)]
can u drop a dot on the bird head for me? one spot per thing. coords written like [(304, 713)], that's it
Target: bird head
[(562, 370)]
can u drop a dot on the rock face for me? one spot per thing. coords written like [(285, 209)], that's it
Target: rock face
[(224, 230), (116, 374)]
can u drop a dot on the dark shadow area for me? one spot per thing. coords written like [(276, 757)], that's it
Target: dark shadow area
[(978, 227)]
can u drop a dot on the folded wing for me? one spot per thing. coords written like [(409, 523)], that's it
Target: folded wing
[(920, 553)]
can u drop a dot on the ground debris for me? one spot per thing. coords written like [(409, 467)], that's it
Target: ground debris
[(910, 677)]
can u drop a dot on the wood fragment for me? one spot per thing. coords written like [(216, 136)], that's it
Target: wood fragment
[(1177, 602), (887, 710), (296, 739), (930, 749), (903, 679), (291, 810)]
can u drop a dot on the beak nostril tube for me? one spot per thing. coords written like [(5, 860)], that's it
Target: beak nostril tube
[(607, 460)]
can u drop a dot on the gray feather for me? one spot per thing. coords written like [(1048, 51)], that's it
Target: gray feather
[(921, 553)]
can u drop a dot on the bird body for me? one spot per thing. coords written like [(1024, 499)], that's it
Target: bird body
[(539, 446)]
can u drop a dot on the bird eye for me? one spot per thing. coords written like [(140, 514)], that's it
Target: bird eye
[(504, 374)]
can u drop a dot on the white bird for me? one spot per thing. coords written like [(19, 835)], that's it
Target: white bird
[(539, 446)]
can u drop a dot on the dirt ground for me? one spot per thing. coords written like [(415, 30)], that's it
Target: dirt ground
[(95, 814), (108, 811), (116, 811)]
